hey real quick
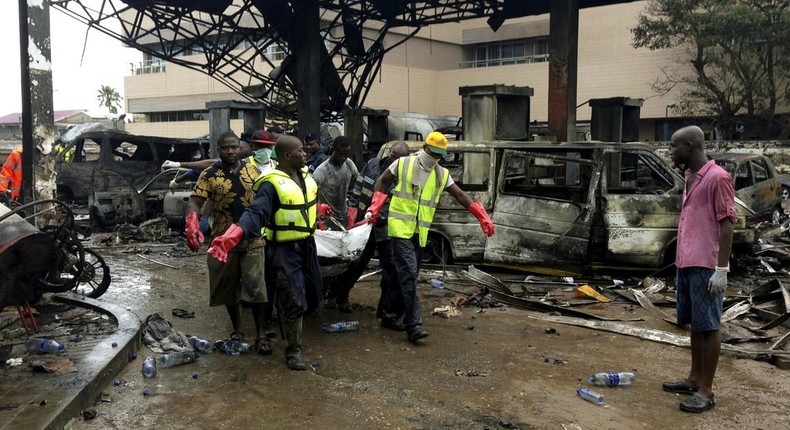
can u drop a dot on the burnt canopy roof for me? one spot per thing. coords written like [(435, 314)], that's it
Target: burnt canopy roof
[(231, 40)]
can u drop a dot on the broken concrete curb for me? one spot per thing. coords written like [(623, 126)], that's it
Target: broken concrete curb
[(97, 367)]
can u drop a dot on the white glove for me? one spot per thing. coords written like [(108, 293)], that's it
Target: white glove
[(171, 164), (718, 281), (173, 186), (368, 215)]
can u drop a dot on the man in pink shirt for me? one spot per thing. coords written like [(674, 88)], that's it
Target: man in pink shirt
[(703, 252)]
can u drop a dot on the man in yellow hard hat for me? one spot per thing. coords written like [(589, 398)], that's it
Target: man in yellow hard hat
[(420, 182)]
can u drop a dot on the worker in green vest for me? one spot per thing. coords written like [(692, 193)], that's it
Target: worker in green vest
[(420, 182)]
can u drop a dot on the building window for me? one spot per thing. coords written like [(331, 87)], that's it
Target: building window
[(540, 50), (509, 52), (178, 116)]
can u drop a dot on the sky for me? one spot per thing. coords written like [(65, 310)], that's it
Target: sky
[(75, 80)]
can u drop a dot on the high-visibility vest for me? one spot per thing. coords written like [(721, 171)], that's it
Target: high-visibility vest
[(413, 209), (11, 173), (68, 155), (296, 216)]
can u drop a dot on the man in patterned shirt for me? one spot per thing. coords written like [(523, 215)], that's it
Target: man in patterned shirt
[(228, 184)]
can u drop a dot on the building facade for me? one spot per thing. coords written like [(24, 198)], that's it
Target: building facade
[(424, 73)]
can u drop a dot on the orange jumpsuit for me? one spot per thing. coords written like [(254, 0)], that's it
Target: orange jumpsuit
[(11, 174)]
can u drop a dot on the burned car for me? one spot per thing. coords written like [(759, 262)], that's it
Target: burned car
[(113, 200), (137, 159), (756, 184), (576, 207)]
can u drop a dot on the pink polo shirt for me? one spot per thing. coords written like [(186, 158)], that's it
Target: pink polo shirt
[(710, 200)]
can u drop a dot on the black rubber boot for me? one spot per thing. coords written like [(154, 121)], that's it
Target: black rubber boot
[(293, 354)]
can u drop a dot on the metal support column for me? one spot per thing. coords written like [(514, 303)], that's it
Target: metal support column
[(354, 129), (38, 124), (218, 123), (563, 60), (308, 67)]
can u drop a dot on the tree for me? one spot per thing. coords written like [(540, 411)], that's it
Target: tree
[(736, 61), (109, 98)]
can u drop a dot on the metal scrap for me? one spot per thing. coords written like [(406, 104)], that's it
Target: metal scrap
[(648, 334), (736, 310), (650, 307)]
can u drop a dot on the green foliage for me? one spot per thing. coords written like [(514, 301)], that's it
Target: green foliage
[(737, 57), (109, 98)]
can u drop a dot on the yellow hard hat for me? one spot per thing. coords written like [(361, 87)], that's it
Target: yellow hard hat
[(437, 143)]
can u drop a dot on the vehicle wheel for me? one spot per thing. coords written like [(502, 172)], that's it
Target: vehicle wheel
[(785, 192), (95, 277), (777, 215), (69, 257), (437, 250)]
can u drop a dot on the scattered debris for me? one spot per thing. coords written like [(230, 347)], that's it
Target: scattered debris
[(652, 285), (56, 366), (183, 313), (12, 362), (650, 307), (647, 334), (459, 372), (447, 311), (156, 262), (89, 414), (586, 291)]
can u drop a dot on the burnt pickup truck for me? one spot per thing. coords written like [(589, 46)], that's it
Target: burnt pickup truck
[(575, 207)]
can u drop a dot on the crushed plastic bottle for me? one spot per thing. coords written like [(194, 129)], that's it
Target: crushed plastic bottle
[(340, 326), (232, 347), (590, 395), (612, 379), (437, 283), (44, 346), (149, 367), (201, 345), (178, 358)]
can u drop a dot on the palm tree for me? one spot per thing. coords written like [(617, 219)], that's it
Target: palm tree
[(109, 98)]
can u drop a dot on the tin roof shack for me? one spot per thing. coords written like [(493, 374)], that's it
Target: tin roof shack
[(756, 184), (577, 207)]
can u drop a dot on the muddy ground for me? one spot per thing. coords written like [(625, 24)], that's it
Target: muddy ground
[(489, 370)]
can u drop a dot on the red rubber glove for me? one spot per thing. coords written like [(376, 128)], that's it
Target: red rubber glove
[(351, 216), (376, 203), (221, 245), (480, 213), (194, 235), (324, 209)]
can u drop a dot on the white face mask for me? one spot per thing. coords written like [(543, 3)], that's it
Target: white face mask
[(262, 155), (426, 161)]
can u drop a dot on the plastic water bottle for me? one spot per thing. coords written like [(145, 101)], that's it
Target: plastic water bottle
[(232, 347), (590, 395), (178, 358), (341, 326), (613, 379), (437, 283), (44, 346), (201, 345), (149, 367)]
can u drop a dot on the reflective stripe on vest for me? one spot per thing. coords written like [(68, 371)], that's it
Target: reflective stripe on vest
[(409, 212), (296, 216)]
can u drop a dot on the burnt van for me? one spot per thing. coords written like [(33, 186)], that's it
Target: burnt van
[(574, 207)]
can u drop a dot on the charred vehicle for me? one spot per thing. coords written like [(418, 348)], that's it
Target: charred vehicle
[(117, 173), (113, 200), (756, 184), (576, 207)]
